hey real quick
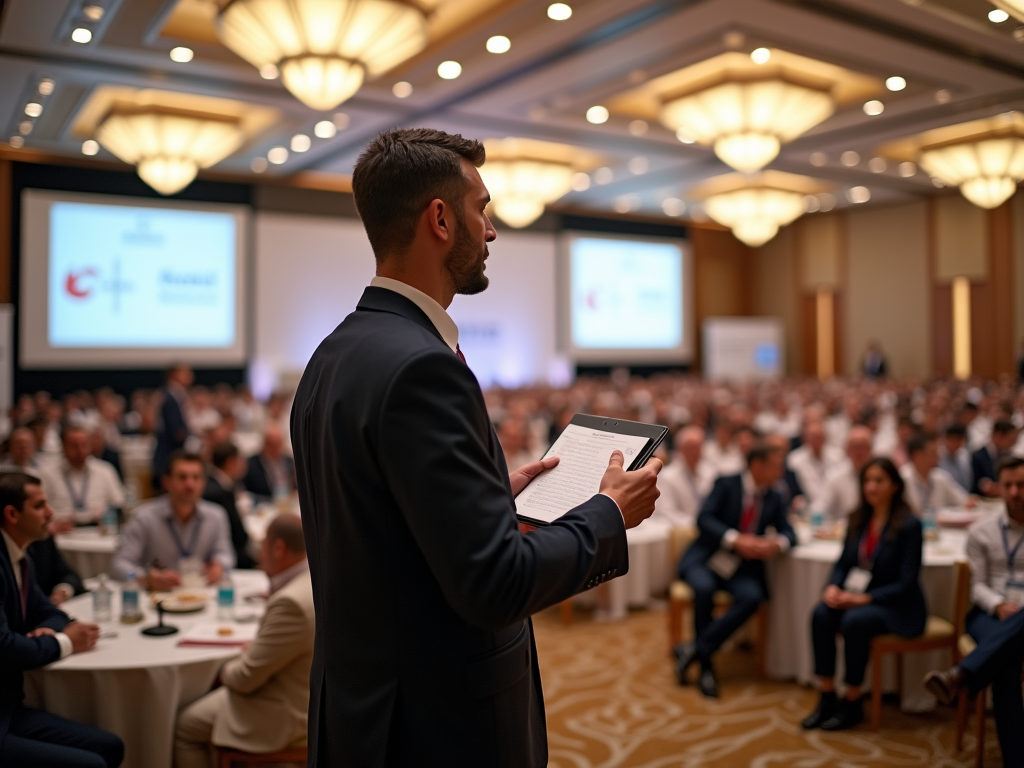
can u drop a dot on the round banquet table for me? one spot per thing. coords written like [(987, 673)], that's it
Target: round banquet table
[(797, 582), (134, 685), (87, 551)]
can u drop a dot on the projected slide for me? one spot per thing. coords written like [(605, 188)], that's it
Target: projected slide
[(626, 294), (124, 276)]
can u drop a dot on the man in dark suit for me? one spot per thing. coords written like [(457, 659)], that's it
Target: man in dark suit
[(983, 460), (55, 577), (422, 581), (222, 477), (34, 633), (742, 524), (874, 364), (172, 430), (270, 471)]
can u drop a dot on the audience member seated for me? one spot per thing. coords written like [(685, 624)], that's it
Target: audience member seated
[(80, 486), (685, 481), (227, 467), (787, 486), (262, 704), (21, 453), (955, 458), (842, 486), (177, 527), (928, 486), (171, 429), (34, 633), (742, 524), (721, 452), (983, 460), (813, 461), (271, 472), (102, 451), (873, 591)]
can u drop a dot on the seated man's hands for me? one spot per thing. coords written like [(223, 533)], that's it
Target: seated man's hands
[(61, 593), (83, 635), (988, 487), (41, 632), (162, 579), (60, 526), (1006, 610), (522, 476), (841, 600), (751, 547), (214, 571)]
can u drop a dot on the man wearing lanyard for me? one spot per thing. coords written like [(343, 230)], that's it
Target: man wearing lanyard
[(930, 487), (176, 527), (81, 487)]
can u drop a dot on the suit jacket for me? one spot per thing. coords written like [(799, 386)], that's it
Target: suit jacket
[(225, 497), (51, 568), (983, 466), (17, 652), (268, 685), (257, 479), (170, 435), (422, 582), (894, 577), (721, 512)]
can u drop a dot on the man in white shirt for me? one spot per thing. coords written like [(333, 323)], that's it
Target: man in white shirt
[(841, 493), (927, 486), (685, 481), (80, 486), (813, 461), (721, 452)]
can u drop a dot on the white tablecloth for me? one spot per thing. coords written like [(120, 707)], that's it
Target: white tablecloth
[(87, 551), (797, 582), (133, 685)]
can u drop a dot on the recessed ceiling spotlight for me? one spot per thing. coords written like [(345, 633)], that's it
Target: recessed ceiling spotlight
[(269, 72), (277, 155), (25, 127), (819, 159), (46, 86), (849, 158), (559, 11), (16, 141), (943, 96), (597, 115), (812, 204), (340, 121), (857, 195), (93, 12), (877, 165), (998, 15), (907, 169), (873, 107), (760, 55), (33, 109), (402, 89), (626, 203), (258, 164), (580, 182), (181, 54), (673, 206), (604, 175), (90, 147), (498, 44), (637, 165), (300, 142), (638, 127), (684, 137), (449, 70), (1018, 34), (325, 129), (895, 83), (827, 200), (81, 35)]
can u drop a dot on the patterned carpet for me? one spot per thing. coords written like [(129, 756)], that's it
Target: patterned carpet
[(612, 702)]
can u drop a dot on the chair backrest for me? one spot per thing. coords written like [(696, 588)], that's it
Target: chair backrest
[(961, 596), (679, 541)]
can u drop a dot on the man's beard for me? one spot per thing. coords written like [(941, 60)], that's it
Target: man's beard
[(466, 263)]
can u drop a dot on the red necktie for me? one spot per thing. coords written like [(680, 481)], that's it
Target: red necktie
[(458, 352), (24, 587), (747, 520)]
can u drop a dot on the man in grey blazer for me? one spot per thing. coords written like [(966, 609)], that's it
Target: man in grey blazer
[(422, 581)]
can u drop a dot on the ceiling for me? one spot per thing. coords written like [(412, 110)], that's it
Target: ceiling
[(958, 66)]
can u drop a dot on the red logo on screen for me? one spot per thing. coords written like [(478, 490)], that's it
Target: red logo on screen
[(74, 286)]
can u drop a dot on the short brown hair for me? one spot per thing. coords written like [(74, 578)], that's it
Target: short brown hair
[(287, 527), (12, 489), (399, 173), (186, 456)]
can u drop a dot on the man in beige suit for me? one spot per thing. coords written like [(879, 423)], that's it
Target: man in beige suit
[(263, 702)]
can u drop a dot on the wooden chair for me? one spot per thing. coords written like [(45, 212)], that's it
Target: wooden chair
[(680, 601), (966, 645), (294, 753), (938, 634)]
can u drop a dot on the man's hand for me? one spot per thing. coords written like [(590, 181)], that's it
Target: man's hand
[(831, 596), (162, 579), (635, 492), (60, 526), (522, 476), (41, 632), (83, 636), (1006, 610), (60, 594), (214, 571), (972, 502), (751, 547), (988, 487), (841, 600)]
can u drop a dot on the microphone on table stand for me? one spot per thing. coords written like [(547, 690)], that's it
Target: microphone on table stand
[(160, 629)]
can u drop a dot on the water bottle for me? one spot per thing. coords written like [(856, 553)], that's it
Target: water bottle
[(131, 611), (108, 522), (929, 525), (226, 598), (282, 498), (103, 601), (817, 520)]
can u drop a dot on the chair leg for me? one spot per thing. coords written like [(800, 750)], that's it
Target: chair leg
[(675, 623), (565, 610), (979, 729), (876, 689), (963, 705), (762, 640), (899, 677)]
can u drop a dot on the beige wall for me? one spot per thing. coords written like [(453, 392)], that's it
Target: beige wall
[(959, 239), (1018, 268), (888, 287), (774, 274)]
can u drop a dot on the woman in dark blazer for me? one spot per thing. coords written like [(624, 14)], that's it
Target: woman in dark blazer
[(873, 591)]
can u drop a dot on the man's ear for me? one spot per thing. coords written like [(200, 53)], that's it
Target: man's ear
[(8, 515), (439, 219)]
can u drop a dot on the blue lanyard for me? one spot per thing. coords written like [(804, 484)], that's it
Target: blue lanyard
[(78, 502), (1011, 554), (195, 536)]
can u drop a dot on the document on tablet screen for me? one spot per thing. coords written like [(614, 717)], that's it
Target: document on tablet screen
[(584, 454)]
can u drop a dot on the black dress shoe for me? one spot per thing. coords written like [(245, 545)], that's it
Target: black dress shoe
[(827, 708), (849, 714), (946, 685), (686, 654), (708, 684)]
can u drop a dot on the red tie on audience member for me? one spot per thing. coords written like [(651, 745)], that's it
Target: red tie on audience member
[(747, 520), (24, 587), (458, 352)]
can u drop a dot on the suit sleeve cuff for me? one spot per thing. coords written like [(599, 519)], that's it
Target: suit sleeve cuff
[(616, 506), (66, 648), (784, 543), (729, 539)]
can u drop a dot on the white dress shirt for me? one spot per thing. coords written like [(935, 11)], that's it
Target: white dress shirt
[(812, 471), (435, 312), (939, 490), (986, 552), (17, 554), (682, 492), (82, 494), (841, 492), (724, 461)]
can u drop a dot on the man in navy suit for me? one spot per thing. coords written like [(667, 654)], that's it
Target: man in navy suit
[(34, 633), (172, 430), (742, 524), (270, 471), (983, 460), (422, 581)]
